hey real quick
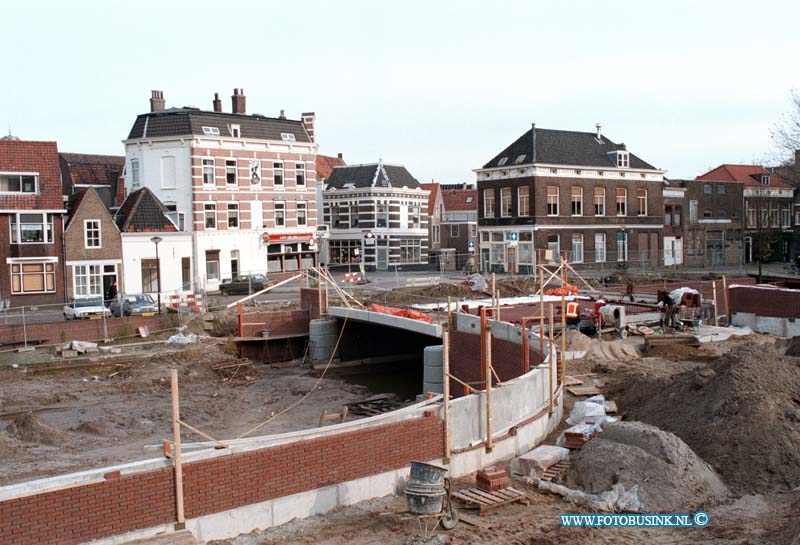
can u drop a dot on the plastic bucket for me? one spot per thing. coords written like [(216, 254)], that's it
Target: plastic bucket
[(425, 489)]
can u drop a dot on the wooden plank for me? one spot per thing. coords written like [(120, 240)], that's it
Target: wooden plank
[(462, 495), (488, 497), (476, 521), (572, 381), (579, 391)]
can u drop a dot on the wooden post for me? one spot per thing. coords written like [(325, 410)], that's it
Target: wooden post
[(494, 291), (526, 362), (563, 339), (483, 347), (551, 351), (239, 308), (449, 314), (176, 437), (489, 389), (497, 306), (446, 392), (541, 313), (725, 297), (319, 293), (714, 290)]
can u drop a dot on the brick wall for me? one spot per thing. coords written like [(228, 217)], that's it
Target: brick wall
[(280, 322), (84, 330), (128, 503), (309, 300), (775, 303)]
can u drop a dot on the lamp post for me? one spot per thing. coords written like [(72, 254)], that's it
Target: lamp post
[(156, 240)]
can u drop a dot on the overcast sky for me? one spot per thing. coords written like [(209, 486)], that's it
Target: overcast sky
[(438, 86)]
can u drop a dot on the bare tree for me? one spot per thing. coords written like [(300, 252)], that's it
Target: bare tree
[(786, 141), (763, 227)]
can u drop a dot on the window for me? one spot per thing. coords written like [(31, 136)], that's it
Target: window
[(212, 269), (622, 201), (599, 201), (91, 234), (230, 172), (210, 211), (552, 200), (707, 213), (786, 215), (301, 212), (413, 217), (135, 172), (30, 228), (641, 202), (764, 179), (523, 201), (474, 229), (300, 173), (774, 215), (150, 276), (211, 131), (721, 189), (288, 137), (455, 230), (236, 131), (622, 246), (88, 280), (667, 216), (280, 214), (168, 172), (577, 248), (505, 202), (707, 189), (693, 212), (600, 247), (722, 213), (383, 216), (278, 173), (623, 159), (502, 161), (435, 233), (208, 171), (552, 249), (233, 215), (488, 203), (577, 201), (519, 159), (410, 251), (676, 216), (33, 278)]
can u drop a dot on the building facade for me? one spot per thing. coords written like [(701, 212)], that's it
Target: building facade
[(101, 172), (555, 193), (31, 223), (92, 247), (435, 216), (378, 216), (459, 224), (766, 210), (674, 223), (243, 184)]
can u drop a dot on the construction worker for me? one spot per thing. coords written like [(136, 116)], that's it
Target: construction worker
[(669, 308), (573, 316)]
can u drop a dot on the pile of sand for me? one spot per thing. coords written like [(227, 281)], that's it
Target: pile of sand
[(741, 414), (31, 429), (670, 476), (599, 349), (792, 346)]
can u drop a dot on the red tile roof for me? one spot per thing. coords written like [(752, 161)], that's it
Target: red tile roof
[(746, 174), (31, 156), (325, 165), (460, 199), (434, 189)]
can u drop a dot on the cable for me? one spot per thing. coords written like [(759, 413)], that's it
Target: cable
[(299, 401)]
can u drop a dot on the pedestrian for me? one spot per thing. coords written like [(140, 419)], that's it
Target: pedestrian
[(112, 292)]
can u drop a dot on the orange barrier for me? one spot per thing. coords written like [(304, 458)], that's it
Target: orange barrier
[(569, 289), (402, 312)]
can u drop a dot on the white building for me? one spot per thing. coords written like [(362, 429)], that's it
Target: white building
[(243, 185)]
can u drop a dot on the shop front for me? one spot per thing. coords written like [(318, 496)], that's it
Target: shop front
[(290, 252)]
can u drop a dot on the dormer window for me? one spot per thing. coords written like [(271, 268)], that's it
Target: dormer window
[(519, 159), (623, 159), (765, 179), (236, 131), (211, 131), (502, 161)]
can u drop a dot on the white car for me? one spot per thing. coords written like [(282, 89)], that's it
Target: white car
[(85, 307)]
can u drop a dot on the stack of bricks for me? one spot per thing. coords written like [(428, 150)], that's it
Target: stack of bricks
[(492, 479)]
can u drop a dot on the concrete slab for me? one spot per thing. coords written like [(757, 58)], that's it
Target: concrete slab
[(388, 320)]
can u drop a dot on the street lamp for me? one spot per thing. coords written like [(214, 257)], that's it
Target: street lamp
[(156, 240)]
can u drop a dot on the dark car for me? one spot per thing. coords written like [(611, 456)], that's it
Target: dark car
[(133, 305), (244, 284)]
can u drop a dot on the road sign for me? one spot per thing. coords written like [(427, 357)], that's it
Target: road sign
[(512, 236), (369, 238), (471, 244)]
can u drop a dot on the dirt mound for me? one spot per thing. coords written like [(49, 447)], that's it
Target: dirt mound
[(599, 349), (91, 428), (671, 477), (792, 346), (31, 429), (672, 351), (741, 414)]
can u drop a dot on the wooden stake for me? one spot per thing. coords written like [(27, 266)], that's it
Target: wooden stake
[(483, 347), (497, 306), (446, 392), (727, 302), (449, 314), (550, 350), (489, 389), (176, 437), (494, 292), (239, 309), (541, 312), (714, 290), (526, 363), (563, 338)]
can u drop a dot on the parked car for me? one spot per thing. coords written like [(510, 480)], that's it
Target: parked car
[(133, 305), (85, 307), (245, 284)]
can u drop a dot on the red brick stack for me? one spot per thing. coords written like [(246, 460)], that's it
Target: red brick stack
[(491, 479)]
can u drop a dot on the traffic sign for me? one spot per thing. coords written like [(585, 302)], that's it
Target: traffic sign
[(471, 244), (369, 238), (513, 236)]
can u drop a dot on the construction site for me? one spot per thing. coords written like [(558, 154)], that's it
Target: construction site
[(463, 410)]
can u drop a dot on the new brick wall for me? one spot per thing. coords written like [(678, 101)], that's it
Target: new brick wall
[(83, 513), (277, 322), (775, 303), (84, 330)]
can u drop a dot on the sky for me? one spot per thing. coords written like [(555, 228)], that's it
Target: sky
[(440, 87)]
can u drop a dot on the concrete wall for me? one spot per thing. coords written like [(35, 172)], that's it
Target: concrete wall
[(171, 251)]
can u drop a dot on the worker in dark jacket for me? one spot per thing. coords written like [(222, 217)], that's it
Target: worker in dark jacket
[(670, 309)]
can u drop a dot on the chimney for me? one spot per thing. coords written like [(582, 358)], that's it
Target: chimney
[(238, 102), (217, 103), (283, 115), (599, 131), (622, 146), (308, 123), (340, 156), (157, 101), (533, 141)]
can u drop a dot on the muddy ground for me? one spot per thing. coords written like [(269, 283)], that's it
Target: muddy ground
[(95, 417)]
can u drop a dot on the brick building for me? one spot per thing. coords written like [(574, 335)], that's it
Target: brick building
[(385, 201), (459, 224), (766, 210), (674, 223), (102, 172), (31, 223), (243, 184), (557, 192), (435, 216), (92, 246)]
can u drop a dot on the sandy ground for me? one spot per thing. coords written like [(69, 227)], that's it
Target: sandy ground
[(98, 417)]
